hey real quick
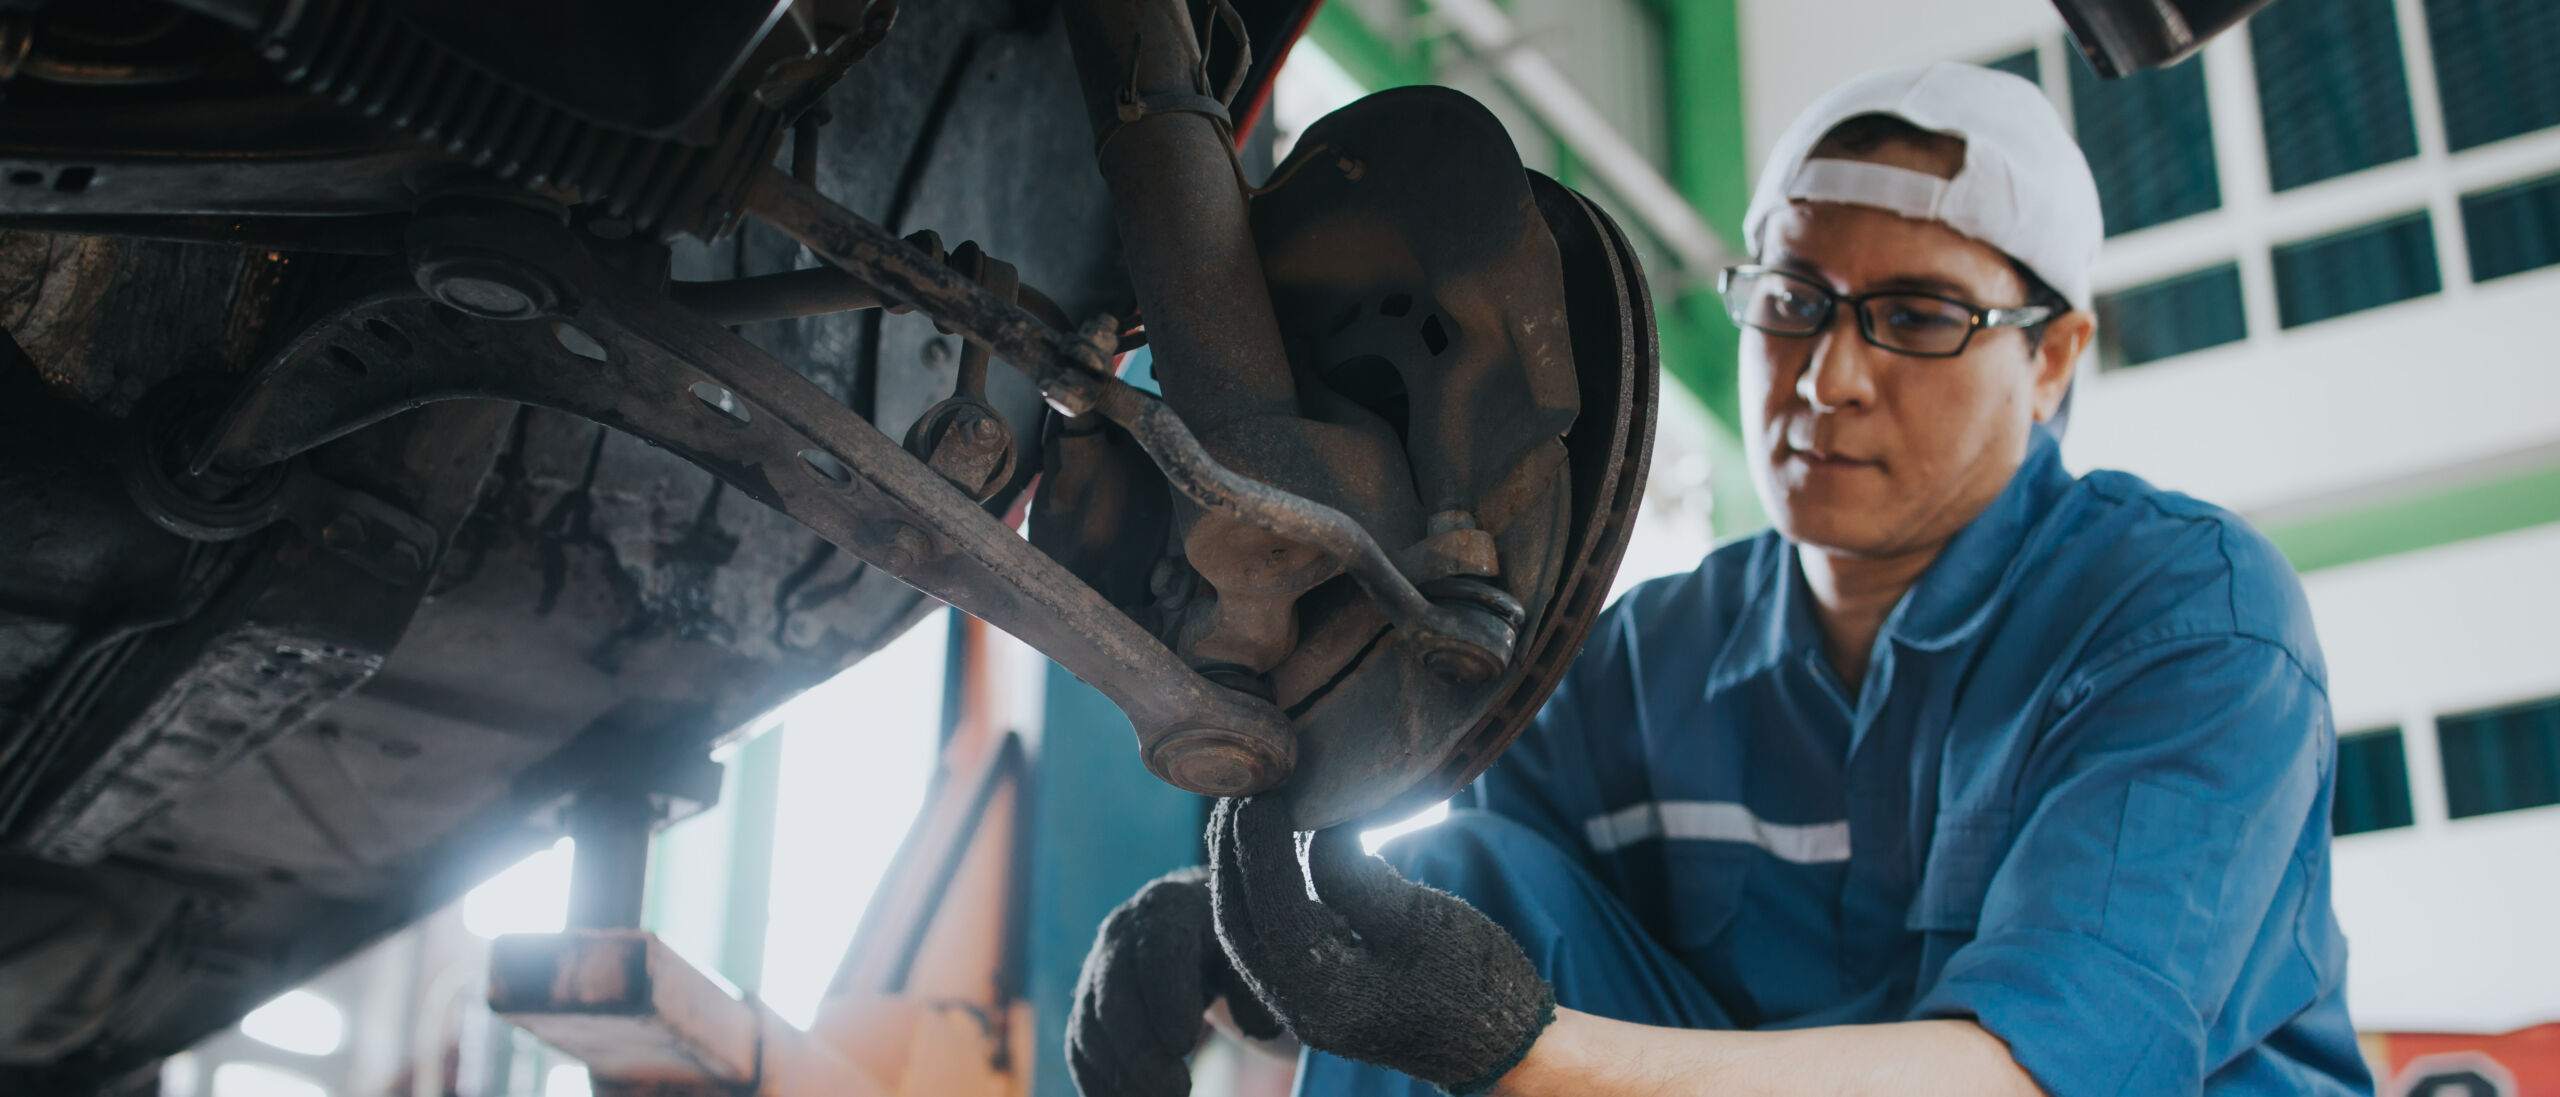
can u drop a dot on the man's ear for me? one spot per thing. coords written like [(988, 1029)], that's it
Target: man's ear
[(2065, 337)]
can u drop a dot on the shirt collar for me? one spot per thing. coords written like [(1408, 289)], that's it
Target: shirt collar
[(1948, 604), (1985, 559), (1777, 618)]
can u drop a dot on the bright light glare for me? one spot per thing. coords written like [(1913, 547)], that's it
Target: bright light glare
[(857, 754), (1311, 84), (567, 1080), (532, 896), (180, 1074), (261, 1080), (1374, 837), (297, 1021)]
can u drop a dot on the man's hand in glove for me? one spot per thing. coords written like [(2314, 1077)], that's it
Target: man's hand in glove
[(1154, 970), (1376, 967)]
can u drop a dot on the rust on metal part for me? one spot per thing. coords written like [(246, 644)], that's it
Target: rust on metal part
[(1464, 400), (1425, 308), (964, 437), (689, 385), (1166, 148), (1459, 642), (1609, 455), (1368, 521)]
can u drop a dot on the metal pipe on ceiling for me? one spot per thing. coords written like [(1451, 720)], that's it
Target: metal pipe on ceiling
[(1488, 32)]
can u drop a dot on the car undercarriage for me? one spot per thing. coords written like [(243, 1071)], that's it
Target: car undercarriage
[(430, 428), (417, 441)]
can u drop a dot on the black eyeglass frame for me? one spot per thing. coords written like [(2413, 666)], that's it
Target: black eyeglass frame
[(2022, 316)]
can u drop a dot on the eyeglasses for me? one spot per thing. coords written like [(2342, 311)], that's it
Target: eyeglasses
[(1923, 325)]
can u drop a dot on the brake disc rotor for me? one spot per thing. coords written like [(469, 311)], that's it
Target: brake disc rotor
[(1425, 280), (1473, 354)]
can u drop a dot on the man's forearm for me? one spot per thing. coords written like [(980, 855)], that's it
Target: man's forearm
[(1587, 1056)]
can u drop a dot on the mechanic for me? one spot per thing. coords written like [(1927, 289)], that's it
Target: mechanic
[(1971, 777)]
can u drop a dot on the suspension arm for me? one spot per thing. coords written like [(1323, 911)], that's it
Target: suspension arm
[(615, 352), (1464, 644)]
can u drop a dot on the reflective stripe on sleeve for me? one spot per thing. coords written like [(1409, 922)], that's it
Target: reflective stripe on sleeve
[(1718, 821)]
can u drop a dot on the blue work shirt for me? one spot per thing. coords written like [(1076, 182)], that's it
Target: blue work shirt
[(2082, 795)]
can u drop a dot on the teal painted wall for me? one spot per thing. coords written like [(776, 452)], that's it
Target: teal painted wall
[(1101, 828)]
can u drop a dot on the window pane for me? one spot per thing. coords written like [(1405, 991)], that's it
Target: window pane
[(2170, 317), (2355, 270), (2498, 66), (2021, 63), (2330, 89), (2513, 229), (2149, 142), (2502, 759), (2373, 783)]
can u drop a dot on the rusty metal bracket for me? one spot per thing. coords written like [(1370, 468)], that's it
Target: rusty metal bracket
[(964, 437), (1466, 642), (1463, 642)]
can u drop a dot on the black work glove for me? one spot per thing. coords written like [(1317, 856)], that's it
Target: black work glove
[(1154, 969), (1381, 969)]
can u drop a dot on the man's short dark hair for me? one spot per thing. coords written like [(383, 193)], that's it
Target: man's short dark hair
[(1869, 132)]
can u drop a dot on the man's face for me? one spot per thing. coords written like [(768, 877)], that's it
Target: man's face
[(1864, 452)]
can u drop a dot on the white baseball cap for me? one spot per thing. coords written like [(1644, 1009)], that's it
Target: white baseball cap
[(2024, 187)]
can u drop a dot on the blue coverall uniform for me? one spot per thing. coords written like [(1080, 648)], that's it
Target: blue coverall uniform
[(2081, 797)]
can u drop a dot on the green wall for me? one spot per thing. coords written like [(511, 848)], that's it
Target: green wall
[(1708, 165), (2492, 505)]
